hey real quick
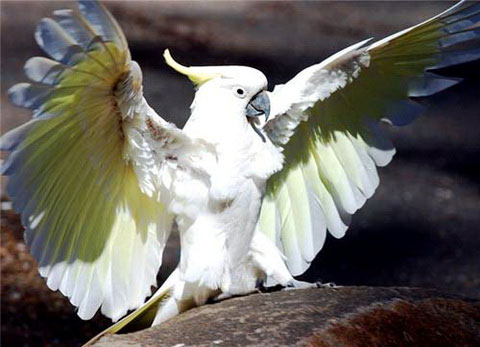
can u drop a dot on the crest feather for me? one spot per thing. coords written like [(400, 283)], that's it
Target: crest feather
[(198, 75)]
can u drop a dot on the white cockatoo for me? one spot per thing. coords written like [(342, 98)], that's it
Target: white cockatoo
[(253, 181)]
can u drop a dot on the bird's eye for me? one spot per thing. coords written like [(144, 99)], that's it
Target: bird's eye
[(240, 92)]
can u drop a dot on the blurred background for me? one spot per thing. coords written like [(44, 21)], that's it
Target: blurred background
[(422, 227)]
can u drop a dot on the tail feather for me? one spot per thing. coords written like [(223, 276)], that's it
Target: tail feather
[(144, 316)]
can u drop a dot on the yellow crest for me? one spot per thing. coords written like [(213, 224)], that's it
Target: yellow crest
[(198, 75)]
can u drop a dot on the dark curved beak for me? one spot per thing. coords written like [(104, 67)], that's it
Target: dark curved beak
[(259, 106)]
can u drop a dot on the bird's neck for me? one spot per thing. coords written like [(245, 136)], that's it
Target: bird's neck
[(234, 138)]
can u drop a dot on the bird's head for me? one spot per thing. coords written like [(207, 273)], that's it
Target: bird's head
[(238, 88)]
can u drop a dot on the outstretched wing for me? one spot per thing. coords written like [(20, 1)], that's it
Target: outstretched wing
[(327, 118), (85, 172)]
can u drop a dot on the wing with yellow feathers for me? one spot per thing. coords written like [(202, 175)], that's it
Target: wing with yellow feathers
[(326, 120), (85, 173)]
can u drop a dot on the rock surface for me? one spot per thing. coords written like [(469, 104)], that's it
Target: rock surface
[(345, 316)]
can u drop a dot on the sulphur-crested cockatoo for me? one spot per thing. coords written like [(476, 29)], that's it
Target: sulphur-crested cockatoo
[(253, 181)]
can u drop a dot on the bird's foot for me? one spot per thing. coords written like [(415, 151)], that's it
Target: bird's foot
[(225, 296), (221, 297), (262, 289), (295, 284), (326, 285)]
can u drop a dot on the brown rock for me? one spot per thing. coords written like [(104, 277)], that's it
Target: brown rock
[(346, 316)]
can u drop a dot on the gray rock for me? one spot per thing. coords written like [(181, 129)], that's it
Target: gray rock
[(345, 316)]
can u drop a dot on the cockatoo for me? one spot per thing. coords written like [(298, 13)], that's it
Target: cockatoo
[(253, 181)]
